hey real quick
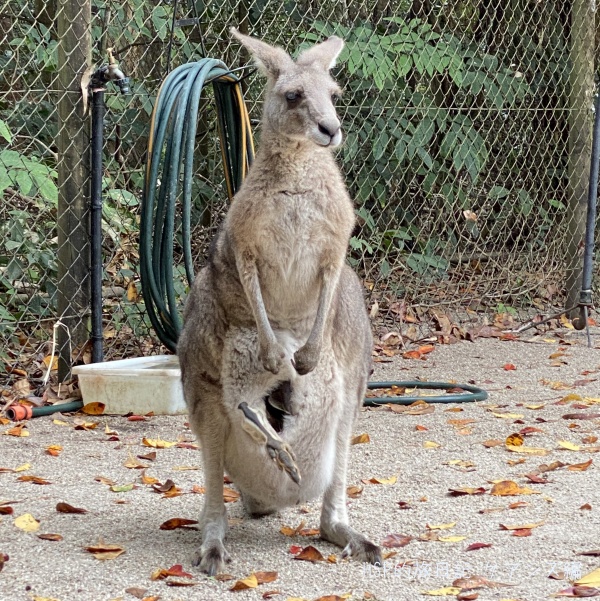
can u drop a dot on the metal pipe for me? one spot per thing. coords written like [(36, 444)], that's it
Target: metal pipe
[(97, 143)]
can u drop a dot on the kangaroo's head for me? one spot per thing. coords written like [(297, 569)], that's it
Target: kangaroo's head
[(301, 95)]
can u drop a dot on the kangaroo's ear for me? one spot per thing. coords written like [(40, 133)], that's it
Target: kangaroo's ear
[(323, 54), (272, 60)]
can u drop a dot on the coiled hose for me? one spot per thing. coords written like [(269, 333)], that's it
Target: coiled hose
[(169, 171)]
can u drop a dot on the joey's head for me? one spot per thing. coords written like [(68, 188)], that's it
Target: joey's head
[(301, 95)]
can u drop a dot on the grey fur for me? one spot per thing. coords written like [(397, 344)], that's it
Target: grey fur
[(277, 303)]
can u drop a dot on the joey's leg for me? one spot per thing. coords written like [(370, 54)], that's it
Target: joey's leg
[(305, 358), (334, 516), (270, 352), (258, 427), (210, 428)]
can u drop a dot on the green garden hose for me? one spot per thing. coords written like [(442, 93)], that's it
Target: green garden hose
[(171, 147)]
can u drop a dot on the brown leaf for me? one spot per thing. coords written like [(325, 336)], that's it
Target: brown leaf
[(3, 559), (594, 553), (175, 523), (522, 532), (176, 571), (264, 577), (551, 467), (361, 439), (230, 495), (475, 546), (522, 527), (33, 479), (136, 591), (419, 428), (171, 582), (54, 450), (151, 456), (95, 408), (509, 367), (104, 480), (354, 491), (492, 443), (310, 553), (166, 487), (580, 467), (53, 537), (394, 541), (536, 479), (6, 510), (19, 430), (475, 581), (578, 591), (586, 506), (103, 552), (456, 492), (467, 596), (529, 430), (390, 480), (66, 508), (518, 505), (269, 594)]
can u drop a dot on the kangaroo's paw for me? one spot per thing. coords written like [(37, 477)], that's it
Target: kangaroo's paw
[(211, 557), (271, 356), (363, 550), (305, 359), (260, 430)]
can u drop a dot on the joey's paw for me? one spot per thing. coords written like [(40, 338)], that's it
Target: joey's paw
[(283, 456), (305, 359), (271, 356), (211, 557), (363, 550)]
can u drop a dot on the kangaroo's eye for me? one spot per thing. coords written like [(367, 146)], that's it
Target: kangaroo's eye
[(293, 96), (335, 98)]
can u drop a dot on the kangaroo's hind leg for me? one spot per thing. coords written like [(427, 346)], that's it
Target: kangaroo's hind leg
[(334, 516), (210, 425)]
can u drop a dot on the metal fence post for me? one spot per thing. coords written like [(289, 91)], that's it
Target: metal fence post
[(580, 139), (74, 57)]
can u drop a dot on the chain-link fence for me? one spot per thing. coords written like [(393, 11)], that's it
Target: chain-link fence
[(467, 151)]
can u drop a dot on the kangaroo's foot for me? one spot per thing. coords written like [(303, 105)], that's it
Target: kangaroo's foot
[(271, 355), (260, 430), (353, 543), (211, 557)]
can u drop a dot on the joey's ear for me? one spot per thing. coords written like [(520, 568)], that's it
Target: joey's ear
[(323, 54), (272, 60)]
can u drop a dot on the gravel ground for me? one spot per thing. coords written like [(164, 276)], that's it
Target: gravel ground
[(63, 570)]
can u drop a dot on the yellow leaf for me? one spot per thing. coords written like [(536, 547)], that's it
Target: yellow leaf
[(534, 407), (59, 422), (54, 450), (522, 526), (95, 408), (36, 598), (27, 523), (569, 398), (451, 539), (442, 592), (440, 526), (506, 488), (361, 439), (246, 583), (565, 444), (528, 450), (23, 468), (132, 293), (591, 579), (157, 443), (566, 322), (429, 444), (515, 440), (49, 358), (509, 415), (390, 480)]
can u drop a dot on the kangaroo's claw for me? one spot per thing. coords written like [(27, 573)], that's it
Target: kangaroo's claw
[(278, 450)]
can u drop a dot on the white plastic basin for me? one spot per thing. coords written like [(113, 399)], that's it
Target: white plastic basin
[(137, 385)]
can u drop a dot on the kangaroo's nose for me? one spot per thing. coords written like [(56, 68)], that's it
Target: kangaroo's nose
[(329, 128)]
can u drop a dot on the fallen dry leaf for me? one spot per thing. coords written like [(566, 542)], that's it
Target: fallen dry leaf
[(52, 537), (354, 491), (104, 552), (591, 579), (393, 541), (390, 480), (456, 492), (175, 523), (230, 495), (442, 592), (95, 408), (33, 480), (157, 443), (510, 488), (514, 440), (509, 367), (440, 526), (580, 467), (309, 553), (492, 443), (136, 591), (176, 571), (565, 444), (586, 506), (475, 546), (578, 591), (245, 584), (66, 508), (522, 527), (361, 439), (151, 456), (19, 430), (54, 450), (429, 444), (27, 523)]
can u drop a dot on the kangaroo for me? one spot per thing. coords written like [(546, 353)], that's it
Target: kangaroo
[(275, 350)]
